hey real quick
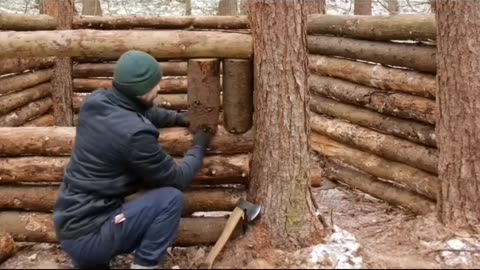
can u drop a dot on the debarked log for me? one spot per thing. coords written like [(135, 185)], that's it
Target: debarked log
[(58, 141), (380, 189), (38, 227), (15, 65), (378, 76), (421, 58), (45, 120), (412, 178), (19, 116), (88, 70), (389, 102), (16, 83), (112, 44), (410, 130), (25, 22), (12, 101), (167, 86), (380, 144)]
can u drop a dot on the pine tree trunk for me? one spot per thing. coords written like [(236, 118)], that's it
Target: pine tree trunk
[(362, 7), (281, 162), (91, 7), (459, 123), (315, 6)]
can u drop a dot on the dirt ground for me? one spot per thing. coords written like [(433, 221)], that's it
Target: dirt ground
[(388, 237)]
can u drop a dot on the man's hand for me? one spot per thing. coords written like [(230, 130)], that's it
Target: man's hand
[(182, 120), (203, 137)]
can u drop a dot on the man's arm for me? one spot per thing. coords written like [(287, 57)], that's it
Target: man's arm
[(162, 118)]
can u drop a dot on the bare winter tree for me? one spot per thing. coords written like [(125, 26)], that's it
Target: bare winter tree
[(91, 7), (393, 7), (362, 7), (227, 7)]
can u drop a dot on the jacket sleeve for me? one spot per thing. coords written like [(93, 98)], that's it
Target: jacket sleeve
[(161, 118), (157, 167)]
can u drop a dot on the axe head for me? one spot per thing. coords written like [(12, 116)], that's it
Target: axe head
[(252, 211)]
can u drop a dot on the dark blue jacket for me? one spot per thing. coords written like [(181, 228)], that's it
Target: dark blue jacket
[(116, 152)]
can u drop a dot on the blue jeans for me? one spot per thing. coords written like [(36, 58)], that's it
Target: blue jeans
[(149, 227)]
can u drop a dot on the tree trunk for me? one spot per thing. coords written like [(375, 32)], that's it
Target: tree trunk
[(315, 6), (7, 245), (227, 7), (410, 130), (91, 7), (433, 6), (459, 123), (188, 7), (10, 102), (31, 110), (393, 7), (106, 69), (421, 58), (58, 141), (389, 102), (362, 7), (46, 120), (16, 83), (378, 76), (281, 102), (380, 144), (18, 65), (167, 86)]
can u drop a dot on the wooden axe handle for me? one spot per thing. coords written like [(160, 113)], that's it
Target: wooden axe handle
[(232, 222)]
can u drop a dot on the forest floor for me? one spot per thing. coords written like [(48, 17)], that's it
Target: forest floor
[(369, 234)]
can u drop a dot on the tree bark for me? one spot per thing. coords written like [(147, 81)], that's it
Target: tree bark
[(10, 102), (23, 22), (281, 122), (7, 246), (389, 102), (38, 227), (167, 86), (380, 144), (412, 178), (362, 7), (379, 189), (58, 141), (227, 7), (459, 123), (91, 7), (31, 110), (412, 82), (107, 69), (168, 22), (237, 95), (16, 65), (315, 6), (112, 44), (16, 83), (45, 120), (412, 131), (421, 58)]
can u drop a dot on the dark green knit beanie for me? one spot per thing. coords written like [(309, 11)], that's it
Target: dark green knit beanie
[(136, 73)]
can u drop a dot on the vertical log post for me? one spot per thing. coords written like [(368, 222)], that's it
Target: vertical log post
[(237, 95), (204, 93), (62, 85)]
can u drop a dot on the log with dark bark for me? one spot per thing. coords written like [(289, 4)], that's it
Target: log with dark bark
[(380, 144), (167, 22), (410, 130), (237, 95), (400, 27), (203, 93), (7, 245), (58, 141), (192, 231), (412, 82), (389, 102), (421, 58), (24, 22), (15, 83), (382, 190), (20, 116), (12, 101), (167, 86), (45, 120), (42, 198), (412, 178), (112, 44), (15, 65), (106, 69), (215, 170)]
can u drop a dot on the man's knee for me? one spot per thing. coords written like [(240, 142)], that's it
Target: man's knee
[(170, 197)]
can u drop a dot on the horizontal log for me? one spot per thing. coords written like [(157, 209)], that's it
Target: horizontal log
[(16, 83), (164, 22), (167, 86), (42, 198), (378, 76), (46, 120), (7, 246), (380, 144), (410, 130), (112, 44), (421, 58), (15, 65), (398, 27), (19, 116), (24, 22), (12, 101), (216, 169), (58, 141), (412, 178), (379, 189), (389, 102), (106, 69), (38, 227)]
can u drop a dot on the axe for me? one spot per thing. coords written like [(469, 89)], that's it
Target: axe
[(245, 211)]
